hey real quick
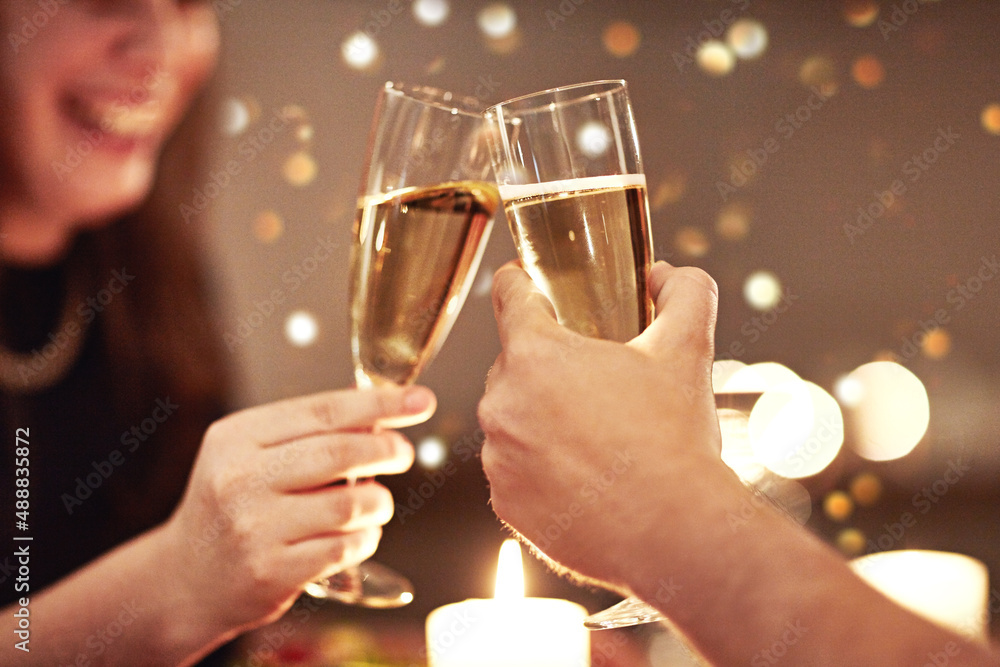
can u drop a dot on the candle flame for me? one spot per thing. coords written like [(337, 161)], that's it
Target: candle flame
[(510, 572)]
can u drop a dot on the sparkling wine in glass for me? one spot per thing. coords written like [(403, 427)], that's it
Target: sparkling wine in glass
[(424, 216), (570, 175)]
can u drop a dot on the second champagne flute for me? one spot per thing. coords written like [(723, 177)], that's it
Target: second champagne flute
[(425, 211), (570, 175)]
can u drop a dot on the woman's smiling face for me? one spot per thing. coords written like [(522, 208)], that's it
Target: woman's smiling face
[(90, 91)]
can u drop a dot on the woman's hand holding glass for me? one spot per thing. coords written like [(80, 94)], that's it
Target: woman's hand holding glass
[(266, 510)]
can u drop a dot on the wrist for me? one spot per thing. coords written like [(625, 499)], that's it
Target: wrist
[(191, 618)]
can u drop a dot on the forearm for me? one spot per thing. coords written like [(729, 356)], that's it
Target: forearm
[(122, 609), (760, 588)]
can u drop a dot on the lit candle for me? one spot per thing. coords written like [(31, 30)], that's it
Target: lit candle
[(947, 588), (509, 629)]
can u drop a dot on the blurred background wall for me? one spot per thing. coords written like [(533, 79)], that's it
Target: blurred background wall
[(834, 165)]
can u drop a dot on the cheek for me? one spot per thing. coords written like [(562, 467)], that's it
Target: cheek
[(197, 55)]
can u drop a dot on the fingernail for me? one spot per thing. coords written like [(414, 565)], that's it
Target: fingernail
[(416, 399)]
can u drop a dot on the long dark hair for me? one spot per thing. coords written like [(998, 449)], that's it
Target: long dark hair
[(155, 340)]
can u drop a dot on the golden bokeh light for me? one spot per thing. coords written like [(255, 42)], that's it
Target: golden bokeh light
[(692, 242), (796, 429), (300, 169), (304, 132), (235, 117), (757, 377), (268, 226), (990, 118), (860, 13), (359, 51), (747, 38), (497, 20), (838, 506), (723, 369), (762, 290), (733, 222), (868, 72), (819, 72), (301, 328), (892, 411), (936, 344), (715, 58), (851, 542), (669, 190), (431, 12), (866, 489), (621, 39)]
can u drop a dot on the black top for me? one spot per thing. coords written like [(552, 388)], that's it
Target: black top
[(92, 444)]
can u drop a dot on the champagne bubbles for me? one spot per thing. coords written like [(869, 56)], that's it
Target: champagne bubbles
[(715, 58), (762, 290), (431, 12), (747, 38), (889, 410), (359, 51), (301, 328), (497, 21), (432, 452), (593, 139), (796, 429)]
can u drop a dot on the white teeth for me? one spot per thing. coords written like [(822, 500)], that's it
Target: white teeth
[(117, 118)]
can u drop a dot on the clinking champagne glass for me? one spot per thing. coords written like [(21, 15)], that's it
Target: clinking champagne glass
[(570, 175), (425, 211)]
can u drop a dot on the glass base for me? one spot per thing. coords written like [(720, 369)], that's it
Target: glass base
[(631, 611), (367, 585)]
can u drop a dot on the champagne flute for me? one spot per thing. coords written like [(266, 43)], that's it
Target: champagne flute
[(570, 175), (425, 211)]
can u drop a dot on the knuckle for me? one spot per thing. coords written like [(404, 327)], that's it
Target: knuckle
[(326, 413), (699, 276), (343, 506), (335, 455)]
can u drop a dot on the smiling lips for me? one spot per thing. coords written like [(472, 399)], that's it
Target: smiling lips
[(121, 120)]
